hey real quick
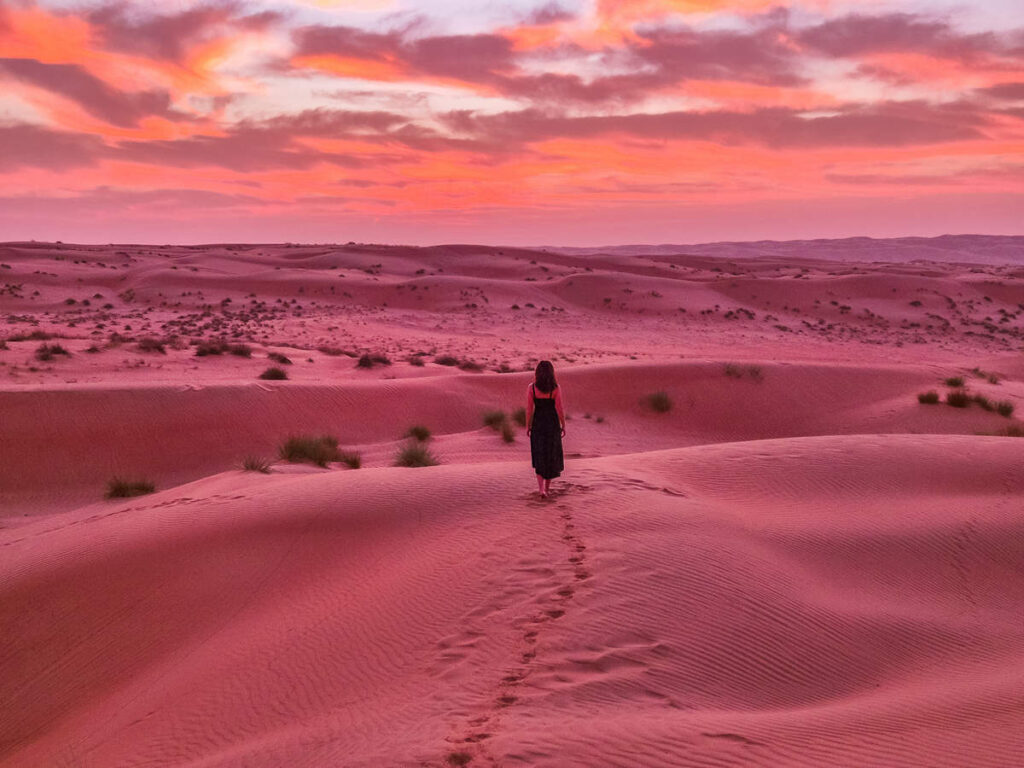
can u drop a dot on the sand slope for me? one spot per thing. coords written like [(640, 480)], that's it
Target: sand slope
[(844, 600)]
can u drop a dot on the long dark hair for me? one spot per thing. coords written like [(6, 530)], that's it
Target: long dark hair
[(545, 377)]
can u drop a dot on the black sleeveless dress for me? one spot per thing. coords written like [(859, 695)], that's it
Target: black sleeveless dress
[(546, 437)]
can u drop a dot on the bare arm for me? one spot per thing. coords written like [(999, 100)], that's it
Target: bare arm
[(529, 408), (558, 406)]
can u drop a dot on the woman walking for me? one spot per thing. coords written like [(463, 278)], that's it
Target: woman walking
[(545, 424)]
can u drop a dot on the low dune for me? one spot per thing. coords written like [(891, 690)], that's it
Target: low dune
[(786, 557)]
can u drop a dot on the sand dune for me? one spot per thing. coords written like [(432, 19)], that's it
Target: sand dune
[(846, 600), (798, 564)]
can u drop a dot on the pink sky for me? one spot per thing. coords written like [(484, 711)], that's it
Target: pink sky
[(521, 122)]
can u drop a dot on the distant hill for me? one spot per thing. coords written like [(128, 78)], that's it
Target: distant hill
[(972, 249)]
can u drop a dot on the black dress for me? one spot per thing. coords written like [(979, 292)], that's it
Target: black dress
[(546, 437)]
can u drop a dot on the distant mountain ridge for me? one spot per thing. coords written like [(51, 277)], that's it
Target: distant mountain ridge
[(969, 249)]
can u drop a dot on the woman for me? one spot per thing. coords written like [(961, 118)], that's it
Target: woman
[(545, 424)]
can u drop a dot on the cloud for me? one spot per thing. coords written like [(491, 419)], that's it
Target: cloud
[(33, 146), (92, 94), (1008, 91), (877, 125)]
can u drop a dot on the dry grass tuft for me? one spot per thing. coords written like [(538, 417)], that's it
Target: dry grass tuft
[(320, 450), (120, 488)]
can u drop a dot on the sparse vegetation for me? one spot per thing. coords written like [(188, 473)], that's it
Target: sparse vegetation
[(984, 403), (508, 432), (240, 350), (274, 374), (928, 398), (254, 463), (446, 360), (494, 419), (519, 416), (958, 398), (660, 402), (419, 432), (351, 459), (318, 450), (416, 360), (150, 344), (47, 352), (415, 455), (459, 759), (734, 371), (277, 357), (330, 351), (121, 488), (1004, 408), (470, 365), (1014, 430), (954, 381), (207, 348), (369, 361)]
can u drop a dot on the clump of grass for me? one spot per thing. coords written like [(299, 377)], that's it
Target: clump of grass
[(954, 381), (984, 402), (459, 759), (240, 350), (508, 433), (365, 361), (121, 488), (470, 365), (446, 360), (494, 419), (277, 357), (519, 416), (207, 348), (274, 374), (150, 344), (351, 459), (330, 351), (415, 455), (992, 378), (48, 351), (754, 372), (419, 432), (958, 398), (320, 450), (416, 360), (660, 402), (733, 371), (1004, 408), (34, 336), (1014, 430), (254, 463), (599, 420), (928, 398)]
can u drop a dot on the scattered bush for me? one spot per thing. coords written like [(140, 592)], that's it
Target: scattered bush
[(928, 398), (508, 433), (419, 432), (3, 345), (207, 348), (380, 359), (519, 416), (119, 488), (446, 360), (47, 352), (149, 344), (241, 350), (330, 351), (599, 419), (984, 402), (1014, 430), (754, 372), (733, 371), (365, 361), (1004, 408), (274, 374), (34, 336), (470, 365), (958, 398), (416, 360), (319, 450), (659, 402), (954, 381), (350, 458), (415, 455), (494, 419), (277, 357), (459, 759), (256, 464)]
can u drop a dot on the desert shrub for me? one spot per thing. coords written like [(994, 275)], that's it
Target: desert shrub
[(253, 463), (508, 433), (416, 360), (459, 759), (599, 419), (494, 419), (3, 345), (48, 351), (659, 402), (958, 398), (733, 371), (928, 398), (365, 361), (120, 488), (754, 372), (34, 336), (274, 374), (1014, 430), (954, 381), (330, 351), (320, 450), (519, 416), (380, 359), (277, 357), (351, 459), (984, 402), (470, 365), (207, 348), (446, 360), (93, 350), (418, 432), (241, 350), (415, 455), (150, 344), (1004, 408)]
